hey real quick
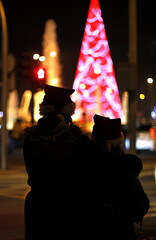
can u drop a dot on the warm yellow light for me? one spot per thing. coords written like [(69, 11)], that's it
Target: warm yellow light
[(54, 81), (89, 126), (126, 94), (75, 117), (77, 114), (42, 58), (36, 56), (52, 54), (82, 86), (142, 96), (150, 80)]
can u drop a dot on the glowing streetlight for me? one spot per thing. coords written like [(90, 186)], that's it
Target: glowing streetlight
[(36, 56), (150, 80), (42, 58), (142, 96)]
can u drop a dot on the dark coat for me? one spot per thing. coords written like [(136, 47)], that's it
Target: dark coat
[(54, 159), (119, 199)]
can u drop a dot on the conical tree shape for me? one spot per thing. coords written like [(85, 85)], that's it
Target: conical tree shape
[(95, 82), (51, 53)]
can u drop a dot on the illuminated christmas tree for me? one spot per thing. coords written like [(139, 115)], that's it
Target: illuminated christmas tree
[(95, 82)]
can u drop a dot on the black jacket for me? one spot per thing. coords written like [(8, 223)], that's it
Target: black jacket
[(116, 184), (55, 156)]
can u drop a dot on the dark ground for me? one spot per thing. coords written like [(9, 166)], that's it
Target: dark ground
[(13, 188)]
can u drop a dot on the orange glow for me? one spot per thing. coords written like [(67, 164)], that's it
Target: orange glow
[(54, 81)]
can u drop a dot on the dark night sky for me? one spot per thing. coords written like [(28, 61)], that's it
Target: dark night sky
[(26, 21)]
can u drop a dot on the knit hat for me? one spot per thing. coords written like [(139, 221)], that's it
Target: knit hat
[(108, 129), (57, 100)]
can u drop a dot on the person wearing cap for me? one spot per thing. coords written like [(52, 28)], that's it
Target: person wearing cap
[(120, 200), (54, 155)]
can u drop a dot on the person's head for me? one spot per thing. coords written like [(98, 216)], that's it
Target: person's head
[(107, 133), (57, 101)]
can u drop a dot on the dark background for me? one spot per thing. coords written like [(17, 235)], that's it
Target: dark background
[(26, 22)]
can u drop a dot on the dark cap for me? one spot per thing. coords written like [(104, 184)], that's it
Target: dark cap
[(109, 128), (56, 98)]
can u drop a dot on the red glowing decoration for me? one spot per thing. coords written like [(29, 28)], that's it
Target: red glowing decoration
[(152, 133), (95, 83), (40, 73)]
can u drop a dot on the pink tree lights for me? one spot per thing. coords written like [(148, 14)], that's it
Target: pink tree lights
[(95, 83)]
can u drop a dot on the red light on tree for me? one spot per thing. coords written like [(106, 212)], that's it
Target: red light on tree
[(40, 73)]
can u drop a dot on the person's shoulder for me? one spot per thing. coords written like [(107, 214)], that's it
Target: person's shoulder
[(134, 158), (133, 162), (76, 133), (75, 129), (30, 132)]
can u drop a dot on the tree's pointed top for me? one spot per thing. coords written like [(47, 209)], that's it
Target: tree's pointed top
[(94, 4)]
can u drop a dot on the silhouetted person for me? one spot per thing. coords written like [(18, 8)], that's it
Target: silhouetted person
[(54, 154), (119, 199)]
